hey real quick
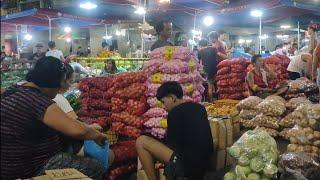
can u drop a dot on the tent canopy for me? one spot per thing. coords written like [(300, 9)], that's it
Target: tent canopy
[(38, 19)]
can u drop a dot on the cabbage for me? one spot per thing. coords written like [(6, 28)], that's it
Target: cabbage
[(244, 160), (264, 178), (270, 170), (252, 152), (257, 164), (230, 176), (253, 176), (242, 170), (270, 157), (235, 151)]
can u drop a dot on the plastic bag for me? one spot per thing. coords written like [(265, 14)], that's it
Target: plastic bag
[(248, 114), (295, 102), (305, 136), (299, 166), (250, 102), (272, 106), (291, 119), (97, 152), (255, 151), (266, 121), (270, 131), (285, 133)]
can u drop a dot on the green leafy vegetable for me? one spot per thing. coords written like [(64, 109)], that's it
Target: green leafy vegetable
[(257, 164), (230, 176), (253, 176)]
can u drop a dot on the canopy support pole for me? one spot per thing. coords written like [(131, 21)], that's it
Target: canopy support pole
[(143, 22), (49, 28), (17, 38), (298, 35), (260, 35)]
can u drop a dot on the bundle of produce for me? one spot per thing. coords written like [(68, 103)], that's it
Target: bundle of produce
[(269, 111), (170, 64), (247, 107), (121, 171), (278, 64), (305, 135), (124, 151), (301, 165), (95, 102), (303, 87), (222, 108), (129, 103), (256, 154), (231, 79), (293, 103)]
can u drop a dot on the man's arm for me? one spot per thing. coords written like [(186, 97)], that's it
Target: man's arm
[(253, 86)]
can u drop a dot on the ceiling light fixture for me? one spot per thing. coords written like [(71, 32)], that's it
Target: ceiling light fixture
[(88, 5), (208, 20), (140, 11)]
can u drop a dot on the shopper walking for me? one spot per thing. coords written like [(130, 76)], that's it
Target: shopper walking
[(208, 57), (33, 127), (164, 30), (188, 146), (54, 52)]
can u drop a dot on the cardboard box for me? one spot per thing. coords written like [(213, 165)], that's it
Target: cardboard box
[(236, 129), (229, 128), (218, 160), (214, 126), (62, 174), (222, 140)]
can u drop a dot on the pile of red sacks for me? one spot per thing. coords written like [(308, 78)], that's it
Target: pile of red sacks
[(128, 103), (231, 77), (125, 160), (95, 101), (278, 64)]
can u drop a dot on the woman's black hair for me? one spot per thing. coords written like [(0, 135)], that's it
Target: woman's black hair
[(169, 88), (48, 72), (114, 66), (69, 71), (255, 58)]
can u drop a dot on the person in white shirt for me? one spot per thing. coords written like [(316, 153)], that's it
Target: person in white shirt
[(298, 66), (55, 52)]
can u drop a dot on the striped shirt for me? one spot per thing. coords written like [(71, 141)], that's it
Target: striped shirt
[(26, 142)]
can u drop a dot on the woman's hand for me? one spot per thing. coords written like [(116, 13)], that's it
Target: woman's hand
[(96, 127), (101, 139)]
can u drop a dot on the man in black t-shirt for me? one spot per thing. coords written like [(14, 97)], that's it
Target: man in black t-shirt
[(163, 29), (39, 53), (188, 144)]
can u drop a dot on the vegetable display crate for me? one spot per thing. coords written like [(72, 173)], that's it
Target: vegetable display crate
[(112, 137), (130, 64)]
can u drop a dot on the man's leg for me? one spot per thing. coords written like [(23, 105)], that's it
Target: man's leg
[(149, 148)]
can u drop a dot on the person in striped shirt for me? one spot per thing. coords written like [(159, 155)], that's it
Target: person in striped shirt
[(33, 127)]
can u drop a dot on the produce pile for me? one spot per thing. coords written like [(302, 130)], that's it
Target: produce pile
[(278, 64), (125, 160), (170, 64), (230, 79), (303, 87), (222, 108), (271, 111), (247, 109), (256, 154), (11, 77), (305, 135), (299, 166), (128, 103), (95, 101)]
